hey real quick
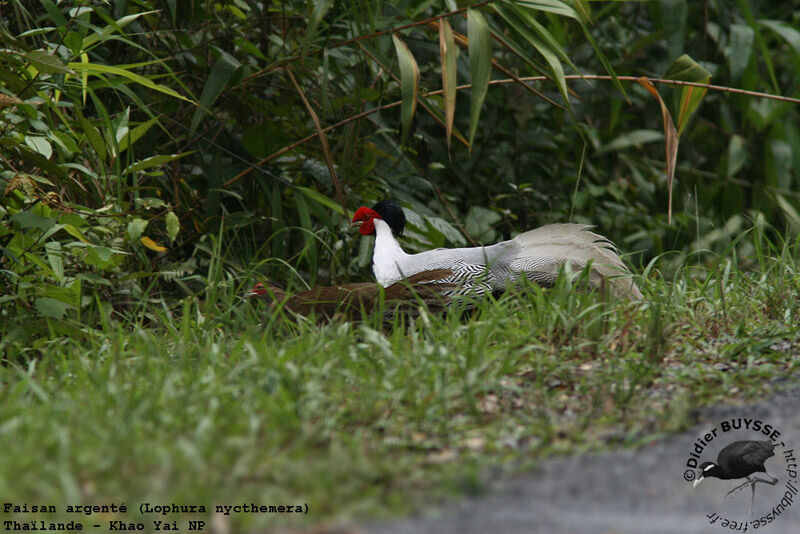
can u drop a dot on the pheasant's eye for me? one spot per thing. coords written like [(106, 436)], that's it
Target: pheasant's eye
[(259, 285)]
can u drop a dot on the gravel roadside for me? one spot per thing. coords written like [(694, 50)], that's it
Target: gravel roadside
[(637, 491)]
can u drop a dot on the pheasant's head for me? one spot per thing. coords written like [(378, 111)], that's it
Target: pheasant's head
[(364, 218), (386, 210), (265, 290)]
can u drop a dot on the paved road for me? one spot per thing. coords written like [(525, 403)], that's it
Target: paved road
[(637, 491)]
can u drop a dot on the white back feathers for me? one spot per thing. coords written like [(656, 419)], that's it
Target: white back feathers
[(543, 251)]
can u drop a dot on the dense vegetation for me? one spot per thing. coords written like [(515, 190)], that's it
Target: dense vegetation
[(157, 157), (145, 142)]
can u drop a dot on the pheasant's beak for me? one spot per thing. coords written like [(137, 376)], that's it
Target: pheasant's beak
[(696, 482), (356, 224)]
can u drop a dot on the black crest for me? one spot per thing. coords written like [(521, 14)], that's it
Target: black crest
[(392, 214)]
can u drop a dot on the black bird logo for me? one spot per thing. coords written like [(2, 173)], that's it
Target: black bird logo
[(740, 459)]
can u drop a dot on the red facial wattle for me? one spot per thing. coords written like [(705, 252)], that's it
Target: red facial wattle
[(366, 218), (257, 290)]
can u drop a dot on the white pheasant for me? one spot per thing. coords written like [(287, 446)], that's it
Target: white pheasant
[(537, 254)]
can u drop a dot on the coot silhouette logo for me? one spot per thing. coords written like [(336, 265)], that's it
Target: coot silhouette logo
[(738, 454)]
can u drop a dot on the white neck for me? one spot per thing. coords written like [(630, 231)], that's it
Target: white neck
[(387, 255)]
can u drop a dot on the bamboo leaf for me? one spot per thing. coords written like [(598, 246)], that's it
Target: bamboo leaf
[(792, 215), (778, 168), (546, 37), (97, 69), (448, 51), (40, 145), (55, 257), (221, 73), (479, 224), (521, 21), (670, 141), (673, 20), (173, 226), (94, 137), (576, 10), (447, 230), (50, 307), (550, 6), (747, 13), (685, 69), (84, 77), (153, 161), (630, 139), (74, 232), (34, 158), (740, 49), (113, 27), (787, 32), (136, 228), (409, 83), (320, 10), (603, 59), (55, 14), (133, 135), (480, 65), (26, 219), (322, 199), (737, 155), (46, 62)]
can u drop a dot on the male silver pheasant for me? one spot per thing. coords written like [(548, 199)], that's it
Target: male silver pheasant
[(537, 254)]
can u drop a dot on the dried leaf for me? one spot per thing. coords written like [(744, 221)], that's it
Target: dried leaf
[(448, 50), (670, 140), (152, 245)]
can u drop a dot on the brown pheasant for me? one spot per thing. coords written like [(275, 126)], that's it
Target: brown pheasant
[(352, 301)]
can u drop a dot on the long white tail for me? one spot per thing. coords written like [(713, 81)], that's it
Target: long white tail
[(542, 252)]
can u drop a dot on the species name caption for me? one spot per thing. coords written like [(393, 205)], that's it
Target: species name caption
[(96, 516)]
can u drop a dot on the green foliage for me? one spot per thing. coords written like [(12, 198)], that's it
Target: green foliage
[(139, 136)]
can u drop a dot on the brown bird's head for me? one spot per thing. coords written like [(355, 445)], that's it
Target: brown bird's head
[(265, 290), (387, 210)]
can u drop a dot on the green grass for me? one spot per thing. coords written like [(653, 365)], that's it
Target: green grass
[(206, 406)]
